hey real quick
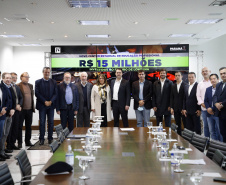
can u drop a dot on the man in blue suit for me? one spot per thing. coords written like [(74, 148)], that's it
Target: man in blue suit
[(67, 103), (46, 94), (219, 100), (212, 119)]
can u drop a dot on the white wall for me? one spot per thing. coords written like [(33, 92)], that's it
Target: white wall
[(6, 57)]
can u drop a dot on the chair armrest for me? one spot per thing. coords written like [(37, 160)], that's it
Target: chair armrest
[(37, 164)]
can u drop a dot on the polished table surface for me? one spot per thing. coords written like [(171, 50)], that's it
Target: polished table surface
[(111, 167)]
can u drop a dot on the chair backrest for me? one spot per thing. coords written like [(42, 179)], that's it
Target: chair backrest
[(58, 129), (61, 138), (5, 175), (213, 146), (66, 132), (218, 157), (174, 127), (187, 134), (24, 164), (54, 145), (199, 142)]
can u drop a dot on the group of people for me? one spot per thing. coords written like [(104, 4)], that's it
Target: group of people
[(187, 102)]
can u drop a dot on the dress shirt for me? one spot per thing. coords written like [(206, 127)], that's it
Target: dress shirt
[(162, 84), (201, 90), (116, 89), (141, 90), (68, 94), (223, 85), (0, 97), (178, 86), (213, 92), (14, 90), (83, 85), (190, 88)]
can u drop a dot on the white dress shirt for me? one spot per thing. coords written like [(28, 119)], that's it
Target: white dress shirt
[(1, 96), (116, 89), (178, 86), (190, 88), (162, 84)]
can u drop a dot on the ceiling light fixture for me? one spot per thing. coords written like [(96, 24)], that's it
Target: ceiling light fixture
[(97, 36), (89, 3), (1, 23), (93, 22), (181, 35), (12, 36), (204, 21), (30, 44), (65, 36)]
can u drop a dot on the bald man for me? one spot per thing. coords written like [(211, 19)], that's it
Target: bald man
[(200, 93)]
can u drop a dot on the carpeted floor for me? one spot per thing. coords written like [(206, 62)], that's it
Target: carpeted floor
[(40, 147)]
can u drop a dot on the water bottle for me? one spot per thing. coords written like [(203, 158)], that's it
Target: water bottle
[(70, 156), (173, 161), (164, 147), (160, 127)]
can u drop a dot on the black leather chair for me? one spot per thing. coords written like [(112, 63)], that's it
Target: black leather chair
[(219, 158), (187, 134), (54, 145), (213, 146), (174, 127), (25, 166), (66, 132), (199, 142), (58, 129)]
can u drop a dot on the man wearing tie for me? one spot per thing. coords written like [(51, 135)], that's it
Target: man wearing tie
[(219, 100), (67, 102), (46, 93), (191, 109), (120, 93), (176, 101)]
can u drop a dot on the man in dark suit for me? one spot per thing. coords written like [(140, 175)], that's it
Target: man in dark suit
[(13, 134), (46, 93), (212, 119), (220, 102), (84, 90), (142, 94), (28, 108), (176, 101), (191, 109), (120, 94), (67, 102), (161, 98)]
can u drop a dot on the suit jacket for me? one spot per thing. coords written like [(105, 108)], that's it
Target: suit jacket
[(40, 93), (123, 92), (20, 85), (208, 100), (220, 96), (176, 98), (19, 95), (5, 100), (61, 101), (147, 94), (81, 96), (190, 103), (162, 100)]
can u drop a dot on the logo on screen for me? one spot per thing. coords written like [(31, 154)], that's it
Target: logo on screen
[(57, 50), (178, 48)]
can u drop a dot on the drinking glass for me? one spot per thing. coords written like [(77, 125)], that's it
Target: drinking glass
[(165, 147), (178, 157), (83, 164), (149, 125), (196, 176), (154, 130)]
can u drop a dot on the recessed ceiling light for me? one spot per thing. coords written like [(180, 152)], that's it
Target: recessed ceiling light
[(1, 23), (93, 22), (135, 22), (12, 36), (7, 19), (97, 36), (52, 22), (65, 36), (181, 35), (30, 44), (100, 44), (204, 21), (89, 3)]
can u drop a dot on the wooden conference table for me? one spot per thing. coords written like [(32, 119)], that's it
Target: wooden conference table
[(139, 165)]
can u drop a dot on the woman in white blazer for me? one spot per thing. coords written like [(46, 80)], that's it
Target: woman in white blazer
[(101, 100)]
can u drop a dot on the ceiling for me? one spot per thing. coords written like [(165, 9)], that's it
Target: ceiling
[(150, 15)]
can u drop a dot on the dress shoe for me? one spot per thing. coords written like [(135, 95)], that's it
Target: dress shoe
[(8, 155), (1, 159), (4, 156), (14, 147), (50, 141), (29, 144), (19, 145), (8, 151), (41, 142)]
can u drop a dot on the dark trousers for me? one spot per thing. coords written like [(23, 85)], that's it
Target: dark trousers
[(117, 110), (25, 115), (167, 120), (14, 130), (222, 123), (178, 116), (67, 116), (83, 118), (49, 112), (193, 123), (104, 113)]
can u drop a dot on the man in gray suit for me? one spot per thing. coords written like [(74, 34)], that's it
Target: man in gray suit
[(84, 90)]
